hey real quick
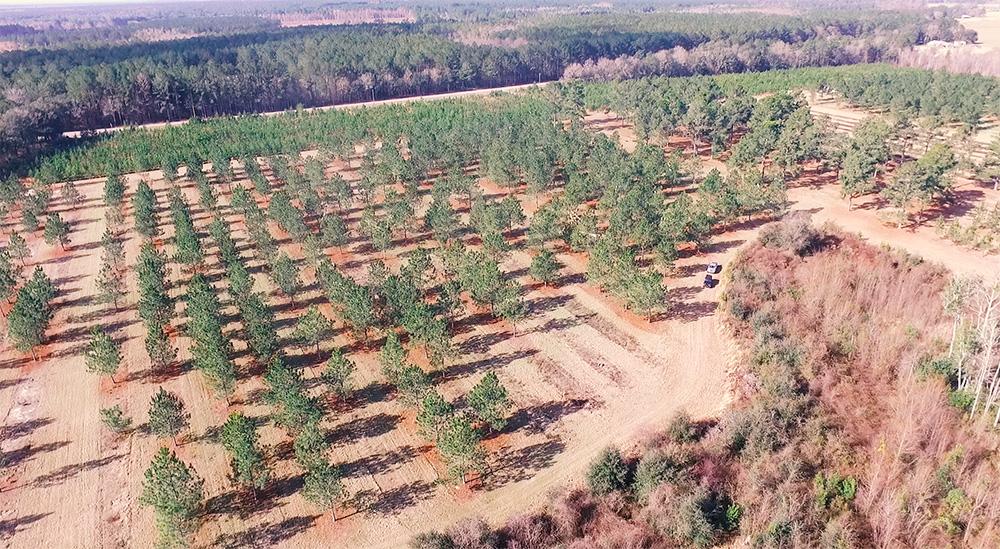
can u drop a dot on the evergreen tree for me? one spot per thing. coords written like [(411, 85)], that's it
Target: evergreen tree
[(156, 307), (71, 194), (285, 275), (310, 446), (544, 267), (211, 350), (337, 374), (489, 401), (103, 355), (114, 190), (161, 352), (392, 357), (188, 245), (115, 419), (31, 313), (433, 414), (9, 275), (112, 250), (608, 473), (313, 327), (333, 230), (144, 210), (249, 464), (110, 285), (176, 494), (167, 416), (56, 230), (323, 488), (460, 447), (17, 246)]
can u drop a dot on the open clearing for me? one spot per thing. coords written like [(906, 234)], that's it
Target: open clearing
[(582, 373), (987, 26)]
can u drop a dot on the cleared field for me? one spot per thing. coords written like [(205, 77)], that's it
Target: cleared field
[(987, 26), (582, 372)]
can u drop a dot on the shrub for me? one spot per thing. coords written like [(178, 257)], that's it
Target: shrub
[(535, 531), (473, 533), (432, 540), (608, 472), (115, 419), (795, 233), (681, 429), (656, 468)]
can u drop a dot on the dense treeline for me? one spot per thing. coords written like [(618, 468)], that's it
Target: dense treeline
[(925, 93), (48, 91)]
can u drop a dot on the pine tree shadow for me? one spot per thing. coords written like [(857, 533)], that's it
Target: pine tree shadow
[(10, 527)]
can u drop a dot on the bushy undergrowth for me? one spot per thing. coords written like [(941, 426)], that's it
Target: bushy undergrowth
[(844, 433)]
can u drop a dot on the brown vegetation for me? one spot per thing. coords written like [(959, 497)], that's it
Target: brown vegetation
[(840, 438)]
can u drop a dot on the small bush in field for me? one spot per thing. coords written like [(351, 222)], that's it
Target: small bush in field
[(683, 517), (473, 533), (681, 429), (608, 473), (961, 399), (432, 540), (656, 468), (115, 419), (535, 531), (795, 234), (833, 491)]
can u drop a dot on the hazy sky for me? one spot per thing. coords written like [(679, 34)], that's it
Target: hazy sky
[(44, 3)]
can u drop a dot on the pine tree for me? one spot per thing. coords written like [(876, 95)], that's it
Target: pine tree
[(115, 419), (114, 217), (56, 230), (211, 350), (113, 251), (189, 251), (460, 447), (176, 494), (156, 307), (144, 210), (544, 267), (285, 275), (31, 314), (333, 230), (337, 374), (71, 194), (249, 465), (489, 401), (313, 327), (310, 446), (114, 190), (167, 416), (110, 285), (324, 488), (18, 247), (161, 352), (433, 414), (392, 357), (103, 356), (9, 275)]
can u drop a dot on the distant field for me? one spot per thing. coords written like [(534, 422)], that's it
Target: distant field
[(988, 27)]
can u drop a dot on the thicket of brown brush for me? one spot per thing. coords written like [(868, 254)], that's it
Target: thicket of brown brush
[(837, 440)]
